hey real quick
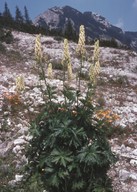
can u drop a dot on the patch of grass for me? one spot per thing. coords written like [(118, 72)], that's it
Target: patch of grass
[(4, 125), (56, 64), (7, 172), (58, 38), (101, 101), (120, 81), (135, 69), (101, 81), (2, 48), (6, 36), (84, 76), (14, 55)]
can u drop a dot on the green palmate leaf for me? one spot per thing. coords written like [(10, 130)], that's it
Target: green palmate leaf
[(56, 159), (79, 133), (102, 189), (34, 129), (77, 185), (50, 141), (49, 170), (102, 185), (63, 174), (34, 184), (89, 154), (74, 136), (63, 161), (54, 180), (61, 157), (43, 115), (72, 166), (69, 93), (42, 162)]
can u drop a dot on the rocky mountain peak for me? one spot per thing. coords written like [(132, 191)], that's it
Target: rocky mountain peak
[(97, 26), (101, 19), (55, 18)]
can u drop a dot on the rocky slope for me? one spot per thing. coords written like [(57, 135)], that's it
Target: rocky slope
[(116, 90)]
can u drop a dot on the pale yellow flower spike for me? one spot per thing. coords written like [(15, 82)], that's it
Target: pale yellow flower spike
[(66, 55), (81, 42), (20, 85), (38, 49), (50, 73), (95, 66), (66, 59), (70, 74)]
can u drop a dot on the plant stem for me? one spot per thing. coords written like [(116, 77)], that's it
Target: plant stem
[(80, 70)]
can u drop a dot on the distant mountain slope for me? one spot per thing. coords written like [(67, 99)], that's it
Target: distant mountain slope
[(132, 38), (96, 26)]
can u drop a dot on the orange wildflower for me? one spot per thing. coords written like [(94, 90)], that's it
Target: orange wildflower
[(12, 98), (106, 115)]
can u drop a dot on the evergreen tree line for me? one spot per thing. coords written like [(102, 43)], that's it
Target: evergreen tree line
[(109, 43), (67, 32), (20, 22)]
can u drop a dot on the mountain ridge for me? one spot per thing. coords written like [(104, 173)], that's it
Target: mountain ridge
[(96, 26)]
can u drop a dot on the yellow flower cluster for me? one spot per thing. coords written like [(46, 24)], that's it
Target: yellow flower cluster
[(66, 55), (50, 73), (70, 74), (20, 85), (81, 42), (38, 49), (95, 66), (66, 59)]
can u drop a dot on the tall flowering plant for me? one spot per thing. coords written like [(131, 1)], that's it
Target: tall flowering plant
[(69, 151)]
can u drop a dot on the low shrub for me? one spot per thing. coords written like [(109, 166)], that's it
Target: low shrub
[(56, 64), (6, 36), (2, 48), (120, 81), (69, 150), (14, 55)]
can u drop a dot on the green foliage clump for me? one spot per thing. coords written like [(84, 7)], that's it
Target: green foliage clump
[(2, 48), (120, 80), (6, 36), (56, 64), (70, 32), (69, 150), (109, 43)]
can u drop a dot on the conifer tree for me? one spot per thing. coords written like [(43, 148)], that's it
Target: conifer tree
[(26, 16), (6, 12), (69, 32), (18, 16)]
